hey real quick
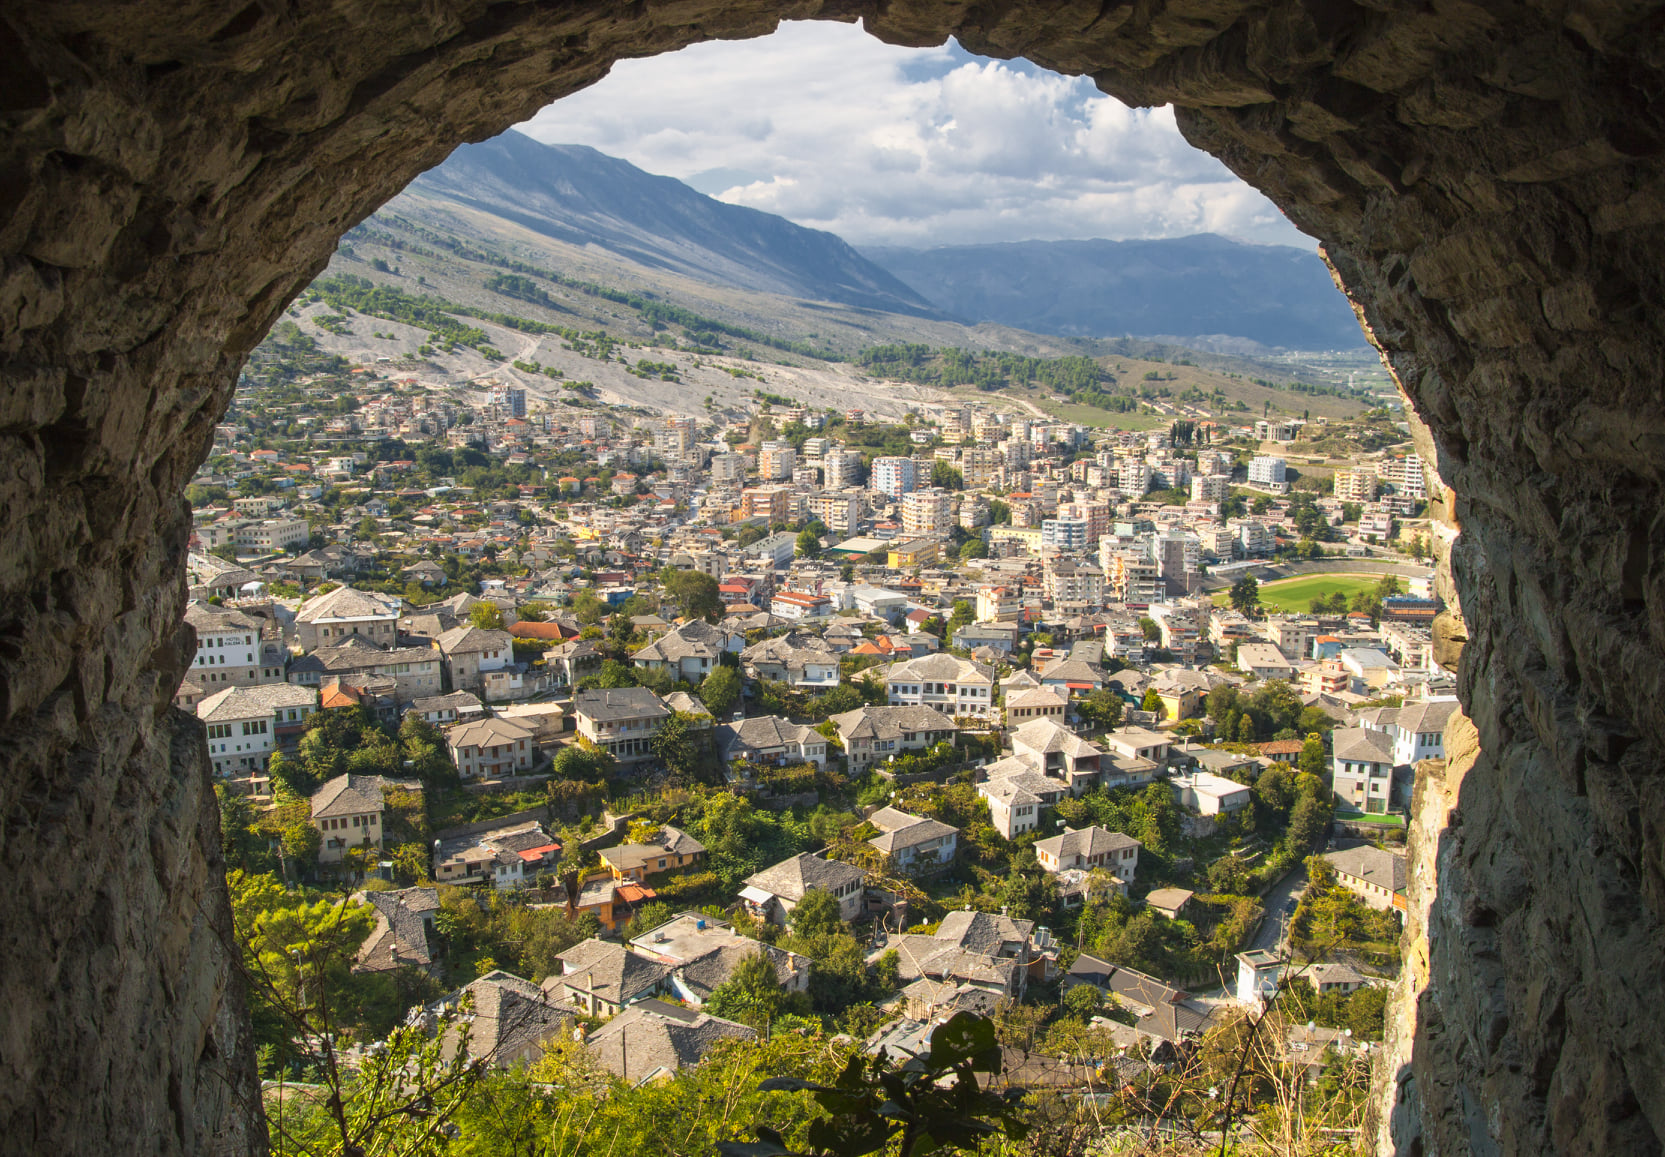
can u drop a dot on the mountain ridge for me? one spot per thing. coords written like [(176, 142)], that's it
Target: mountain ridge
[(580, 196), (1203, 286)]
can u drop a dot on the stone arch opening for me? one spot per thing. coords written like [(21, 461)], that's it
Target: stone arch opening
[(1487, 182)]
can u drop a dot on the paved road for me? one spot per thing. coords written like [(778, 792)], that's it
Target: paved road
[(1279, 907)]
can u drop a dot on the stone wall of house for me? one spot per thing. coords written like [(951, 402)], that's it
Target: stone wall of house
[(1489, 186)]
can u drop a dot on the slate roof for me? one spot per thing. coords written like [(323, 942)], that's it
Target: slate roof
[(652, 1037), (347, 795), (209, 619), (459, 701), (763, 733), (1372, 865), (793, 879), (347, 603), (400, 936), (891, 722), (1088, 842), (513, 1019), (607, 971), (984, 932), (488, 732), (911, 835), (1048, 735), (467, 639), (1361, 744), (254, 702), (941, 668), (614, 703)]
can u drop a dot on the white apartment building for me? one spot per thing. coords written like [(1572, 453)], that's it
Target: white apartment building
[(839, 513), (840, 469), (1210, 487), (1064, 535), (230, 651), (1355, 486), (775, 461), (894, 476), (1267, 471)]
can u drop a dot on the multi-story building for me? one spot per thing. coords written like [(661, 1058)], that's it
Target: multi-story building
[(775, 461), (894, 476), (1181, 628), (839, 513), (997, 604), (728, 467), (509, 400), (1253, 538), (491, 748), (951, 685), (1210, 487), (620, 721), (840, 469), (231, 650), (1362, 772), (273, 534), (1068, 581), (1132, 476), (469, 652), (1064, 535), (1178, 557), (1355, 486), (771, 503), (246, 724), (1406, 477), (1267, 471), (927, 513), (331, 618), (1131, 577)]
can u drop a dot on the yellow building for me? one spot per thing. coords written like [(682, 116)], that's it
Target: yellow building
[(914, 552)]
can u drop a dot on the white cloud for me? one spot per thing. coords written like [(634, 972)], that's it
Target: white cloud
[(824, 125)]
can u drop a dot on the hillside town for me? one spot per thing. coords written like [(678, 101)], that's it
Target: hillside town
[(867, 722)]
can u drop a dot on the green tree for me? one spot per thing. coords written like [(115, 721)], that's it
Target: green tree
[(1153, 702), (675, 745), (753, 994), (946, 477), (486, 615), (694, 591), (583, 764), (1245, 595), (817, 914), (1311, 759), (1082, 1002), (1103, 709), (808, 545), (1151, 629), (975, 548), (720, 691), (1245, 728)]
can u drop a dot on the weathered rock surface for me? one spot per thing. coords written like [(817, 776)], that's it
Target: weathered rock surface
[(1487, 180)]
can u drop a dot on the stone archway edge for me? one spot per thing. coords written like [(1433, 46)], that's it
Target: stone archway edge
[(1487, 183)]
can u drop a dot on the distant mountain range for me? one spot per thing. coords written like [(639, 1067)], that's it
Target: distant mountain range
[(1182, 289), (1205, 291), (576, 195)]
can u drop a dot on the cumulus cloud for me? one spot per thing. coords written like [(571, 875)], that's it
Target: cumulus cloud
[(882, 145)]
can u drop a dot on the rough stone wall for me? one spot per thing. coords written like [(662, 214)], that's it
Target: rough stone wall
[(1486, 179)]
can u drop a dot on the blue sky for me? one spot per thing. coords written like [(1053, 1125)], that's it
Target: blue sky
[(824, 125)]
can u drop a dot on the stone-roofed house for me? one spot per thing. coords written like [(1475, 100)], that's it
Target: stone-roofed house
[(690, 652), (1362, 766), (772, 893), (1016, 793), (652, 1040), (1165, 1013), (771, 739), (1035, 703), (403, 936), (347, 811), (1089, 848), (511, 1022), (508, 854), (444, 710), (957, 687), (872, 735), (799, 659), (979, 949), (1377, 877), (491, 748), (415, 671), (344, 612), (469, 653), (601, 978), (620, 720), (703, 953), (1053, 749), (914, 843), (246, 724), (1073, 677), (1417, 729)]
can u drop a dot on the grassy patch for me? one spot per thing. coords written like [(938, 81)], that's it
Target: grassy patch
[(1295, 595)]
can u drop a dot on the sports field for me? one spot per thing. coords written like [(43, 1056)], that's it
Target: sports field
[(1296, 594)]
